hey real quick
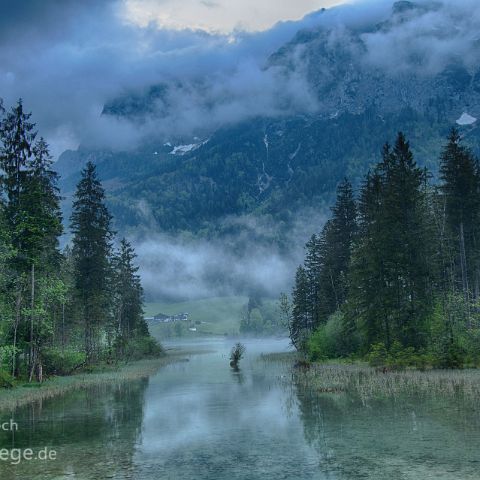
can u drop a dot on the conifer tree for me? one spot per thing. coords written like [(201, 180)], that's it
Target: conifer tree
[(128, 294), (392, 265), (92, 242), (460, 190), (313, 269), (32, 216), (301, 325), (336, 247), (17, 136)]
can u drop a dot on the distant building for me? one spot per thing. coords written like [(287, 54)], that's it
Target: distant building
[(163, 318)]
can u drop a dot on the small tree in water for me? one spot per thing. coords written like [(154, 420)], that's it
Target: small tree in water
[(236, 354)]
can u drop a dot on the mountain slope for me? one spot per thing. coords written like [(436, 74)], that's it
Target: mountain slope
[(367, 88)]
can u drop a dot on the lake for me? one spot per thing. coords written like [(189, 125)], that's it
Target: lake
[(199, 419)]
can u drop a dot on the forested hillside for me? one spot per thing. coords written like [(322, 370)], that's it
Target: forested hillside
[(276, 165)]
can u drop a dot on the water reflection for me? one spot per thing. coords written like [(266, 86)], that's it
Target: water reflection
[(401, 438), (200, 420), (93, 431)]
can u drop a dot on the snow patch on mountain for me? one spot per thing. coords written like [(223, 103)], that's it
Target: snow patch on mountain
[(183, 149), (466, 119)]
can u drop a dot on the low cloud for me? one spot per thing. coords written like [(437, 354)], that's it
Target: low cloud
[(68, 59), (250, 259)]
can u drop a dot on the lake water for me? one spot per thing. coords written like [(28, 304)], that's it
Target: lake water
[(201, 420)]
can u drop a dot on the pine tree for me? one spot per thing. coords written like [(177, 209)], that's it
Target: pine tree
[(313, 268), (460, 190), (17, 135), (128, 294), (336, 247), (392, 277), (301, 325), (366, 303), (92, 242), (32, 216)]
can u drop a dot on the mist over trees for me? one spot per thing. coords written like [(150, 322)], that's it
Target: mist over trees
[(59, 310), (395, 274)]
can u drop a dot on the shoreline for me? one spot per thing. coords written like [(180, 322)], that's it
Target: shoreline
[(366, 382), (25, 394)]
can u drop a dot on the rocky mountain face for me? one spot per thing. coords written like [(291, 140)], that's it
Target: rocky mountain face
[(368, 80), (382, 67)]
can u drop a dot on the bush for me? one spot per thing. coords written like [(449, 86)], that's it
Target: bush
[(141, 347), (58, 362), (6, 356), (328, 340), (378, 355), (450, 356), (236, 354), (6, 380), (399, 357)]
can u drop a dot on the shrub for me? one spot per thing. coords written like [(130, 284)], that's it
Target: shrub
[(328, 341), (141, 347), (236, 354), (6, 380), (378, 355), (450, 356), (6, 356), (58, 362)]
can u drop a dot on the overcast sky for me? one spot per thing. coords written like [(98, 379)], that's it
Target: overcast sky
[(220, 15), (68, 58)]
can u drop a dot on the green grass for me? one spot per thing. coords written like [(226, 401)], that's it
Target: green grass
[(217, 315)]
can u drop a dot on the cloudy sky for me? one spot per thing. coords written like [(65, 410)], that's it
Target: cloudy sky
[(68, 58), (220, 15)]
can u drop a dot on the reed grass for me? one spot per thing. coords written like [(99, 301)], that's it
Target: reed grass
[(369, 383)]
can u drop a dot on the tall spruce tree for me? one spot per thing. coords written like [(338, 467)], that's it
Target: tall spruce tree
[(460, 190), (336, 248), (17, 136), (32, 216), (128, 294), (392, 263), (313, 268), (92, 244), (301, 324)]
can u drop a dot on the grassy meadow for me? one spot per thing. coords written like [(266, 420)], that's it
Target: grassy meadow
[(210, 316)]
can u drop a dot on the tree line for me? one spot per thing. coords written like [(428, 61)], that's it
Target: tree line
[(395, 273), (60, 310)]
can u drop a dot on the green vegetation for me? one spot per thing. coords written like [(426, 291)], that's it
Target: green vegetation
[(212, 316), (192, 193), (26, 393), (370, 383), (395, 276), (261, 317), (60, 312)]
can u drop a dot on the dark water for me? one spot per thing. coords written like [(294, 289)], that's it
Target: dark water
[(200, 420)]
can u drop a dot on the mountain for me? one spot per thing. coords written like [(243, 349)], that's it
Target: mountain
[(368, 80)]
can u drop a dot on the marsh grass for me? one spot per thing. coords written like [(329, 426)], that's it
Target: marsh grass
[(358, 378), (282, 357), (29, 393), (368, 383)]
